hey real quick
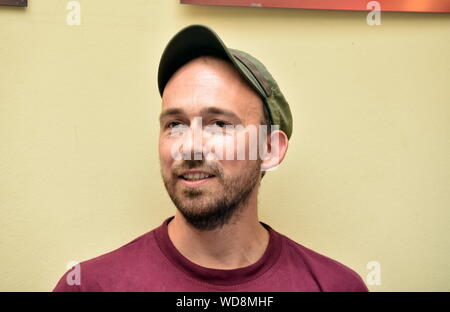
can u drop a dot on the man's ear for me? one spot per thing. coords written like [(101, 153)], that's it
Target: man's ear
[(276, 148)]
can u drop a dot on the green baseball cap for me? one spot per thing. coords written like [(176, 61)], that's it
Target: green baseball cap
[(198, 40)]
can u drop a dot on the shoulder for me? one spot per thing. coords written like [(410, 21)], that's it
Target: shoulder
[(92, 274), (330, 274)]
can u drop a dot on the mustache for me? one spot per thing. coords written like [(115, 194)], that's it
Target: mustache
[(211, 168)]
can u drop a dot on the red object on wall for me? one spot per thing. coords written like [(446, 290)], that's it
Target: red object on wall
[(432, 6)]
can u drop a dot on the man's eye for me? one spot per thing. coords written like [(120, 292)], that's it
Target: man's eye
[(220, 123), (173, 124)]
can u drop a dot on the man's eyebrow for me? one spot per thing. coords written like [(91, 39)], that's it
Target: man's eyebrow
[(219, 111), (171, 111)]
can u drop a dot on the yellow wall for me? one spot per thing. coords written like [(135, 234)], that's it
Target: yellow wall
[(366, 178)]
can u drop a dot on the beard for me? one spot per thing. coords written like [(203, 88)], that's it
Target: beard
[(211, 207)]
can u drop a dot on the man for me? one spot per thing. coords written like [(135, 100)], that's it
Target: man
[(214, 101)]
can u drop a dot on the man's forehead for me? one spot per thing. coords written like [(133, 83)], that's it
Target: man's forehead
[(239, 111), (205, 72)]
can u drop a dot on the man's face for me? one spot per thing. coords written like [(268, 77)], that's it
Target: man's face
[(203, 103)]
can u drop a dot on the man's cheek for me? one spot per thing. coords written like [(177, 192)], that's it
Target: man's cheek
[(165, 158), (173, 150)]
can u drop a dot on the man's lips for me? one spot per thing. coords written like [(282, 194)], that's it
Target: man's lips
[(194, 178), (196, 182)]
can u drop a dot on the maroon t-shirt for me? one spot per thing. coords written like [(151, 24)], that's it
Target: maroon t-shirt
[(152, 263)]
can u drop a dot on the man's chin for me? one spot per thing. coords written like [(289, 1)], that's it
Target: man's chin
[(204, 220), (184, 192)]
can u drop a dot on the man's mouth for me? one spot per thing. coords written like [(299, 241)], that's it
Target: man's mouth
[(195, 177)]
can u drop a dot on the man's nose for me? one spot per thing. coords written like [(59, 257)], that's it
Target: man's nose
[(192, 146)]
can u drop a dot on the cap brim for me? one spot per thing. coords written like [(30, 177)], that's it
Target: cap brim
[(192, 42)]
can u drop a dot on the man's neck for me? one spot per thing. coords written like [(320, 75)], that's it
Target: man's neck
[(239, 243)]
